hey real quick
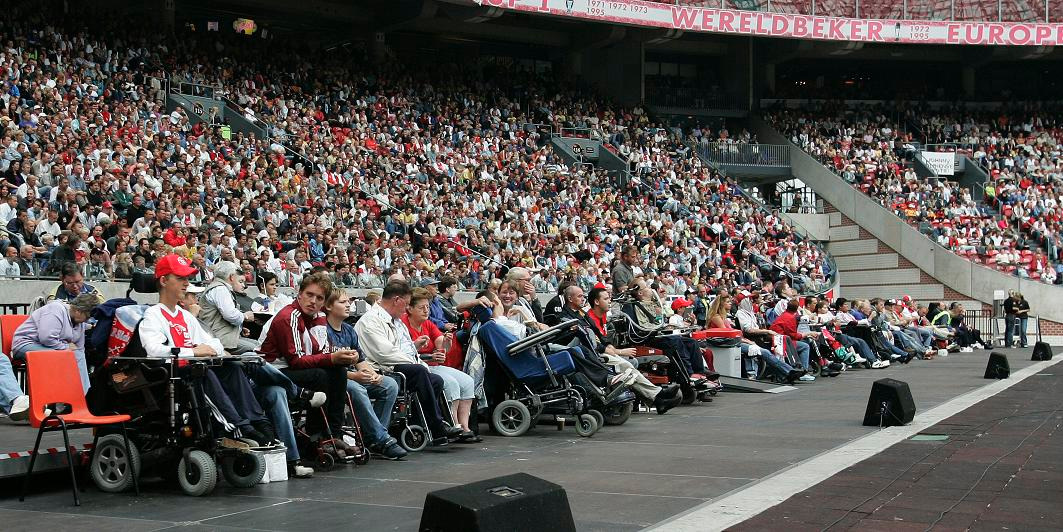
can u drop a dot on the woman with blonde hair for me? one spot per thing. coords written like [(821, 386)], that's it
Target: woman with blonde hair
[(719, 318)]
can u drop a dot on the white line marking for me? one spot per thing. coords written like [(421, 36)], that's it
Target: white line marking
[(748, 501)]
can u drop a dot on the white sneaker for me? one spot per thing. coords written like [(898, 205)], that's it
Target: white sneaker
[(894, 356), (806, 378), (879, 364), (301, 471), (20, 408), (859, 360), (316, 400), (967, 349), (979, 346)]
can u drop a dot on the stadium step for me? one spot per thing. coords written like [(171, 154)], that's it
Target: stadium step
[(869, 268)]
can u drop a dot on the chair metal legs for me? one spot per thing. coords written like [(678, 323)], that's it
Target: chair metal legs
[(69, 459), (70, 463), (33, 459)]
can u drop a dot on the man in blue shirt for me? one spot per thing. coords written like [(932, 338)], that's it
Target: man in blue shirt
[(435, 308)]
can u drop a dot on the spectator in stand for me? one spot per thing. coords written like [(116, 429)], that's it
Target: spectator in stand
[(786, 324), (72, 284), (59, 325), (1016, 316), (372, 395), (9, 267), (458, 387), (297, 342), (387, 344), (683, 314)]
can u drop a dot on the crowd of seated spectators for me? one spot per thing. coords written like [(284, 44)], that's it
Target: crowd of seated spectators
[(1014, 227), (372, 170)]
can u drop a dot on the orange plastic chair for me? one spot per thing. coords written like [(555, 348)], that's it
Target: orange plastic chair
[(57, 386), (8, 324)]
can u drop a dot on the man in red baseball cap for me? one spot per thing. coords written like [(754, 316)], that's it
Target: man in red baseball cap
[(683, 315), (168, 330)]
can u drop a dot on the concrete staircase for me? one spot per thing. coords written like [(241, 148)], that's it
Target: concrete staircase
[(869, 268)]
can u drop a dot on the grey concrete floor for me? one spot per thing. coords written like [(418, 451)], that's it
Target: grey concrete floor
[(623, 478)]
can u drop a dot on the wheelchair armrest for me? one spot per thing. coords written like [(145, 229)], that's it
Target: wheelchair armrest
[(541, 337)]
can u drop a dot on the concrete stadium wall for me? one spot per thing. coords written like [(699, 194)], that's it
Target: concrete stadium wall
[(950, 269), (27, 291), (816, 225)]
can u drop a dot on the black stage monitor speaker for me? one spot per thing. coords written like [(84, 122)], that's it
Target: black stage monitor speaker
[(513, 503), (890, 403), (1042, 351), (998, 367)]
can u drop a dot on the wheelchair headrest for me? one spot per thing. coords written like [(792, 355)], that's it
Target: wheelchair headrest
[(143, 283)]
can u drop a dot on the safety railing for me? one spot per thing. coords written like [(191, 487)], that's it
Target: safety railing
[(196, 89), (737, 153), (577, 132)]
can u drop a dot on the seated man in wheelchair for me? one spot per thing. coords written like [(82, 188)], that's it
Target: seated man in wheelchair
[(297, 342), (167, 330), (650, 317), (275, 392), (506, 323), (662, 398), (387, 344)]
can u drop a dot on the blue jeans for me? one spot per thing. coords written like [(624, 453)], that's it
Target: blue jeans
[(770, 360), (906, 341), (1011, 322), (859, 345), (273, 390), (9, 390), (274, 401), (924, 335), (19, 353), (373, 418), (803, 350)]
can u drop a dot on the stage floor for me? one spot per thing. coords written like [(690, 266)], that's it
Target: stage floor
[(623, 478)]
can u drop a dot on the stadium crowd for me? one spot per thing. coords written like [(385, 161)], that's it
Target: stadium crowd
[(371, 172), (1014, 227)]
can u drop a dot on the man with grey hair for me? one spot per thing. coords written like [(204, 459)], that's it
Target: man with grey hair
[(220, 315), (522, 276)]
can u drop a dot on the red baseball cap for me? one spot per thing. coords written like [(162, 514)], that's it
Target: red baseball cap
[(680, 304), (174, 264)]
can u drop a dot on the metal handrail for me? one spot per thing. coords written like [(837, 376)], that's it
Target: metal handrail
[(746, 154)]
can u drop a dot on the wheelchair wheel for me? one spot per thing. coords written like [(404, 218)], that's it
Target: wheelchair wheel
[(197, 474), (618, 415), (413, 438), (511, 418), (689, 394), (324, 462), (111, 467), (243, 470), (586, 426), (598, 417)]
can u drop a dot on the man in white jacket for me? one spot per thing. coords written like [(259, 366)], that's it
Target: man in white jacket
[(387, 345), (167, 330)]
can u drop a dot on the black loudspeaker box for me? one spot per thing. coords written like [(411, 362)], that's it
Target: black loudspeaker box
[(1042, 351), (900, 407), (998, 367), (512, 503)]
